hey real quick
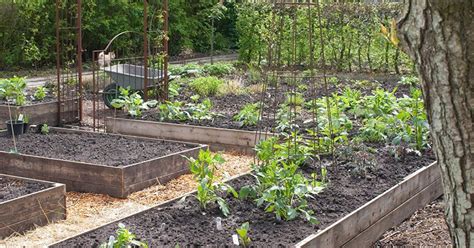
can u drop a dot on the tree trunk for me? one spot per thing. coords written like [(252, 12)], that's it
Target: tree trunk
[(439, 36)]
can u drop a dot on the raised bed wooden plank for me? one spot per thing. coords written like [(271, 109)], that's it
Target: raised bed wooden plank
[(87, 177), (218, 139), (36, 209), (46, 112), (370, 213), (397, 216)]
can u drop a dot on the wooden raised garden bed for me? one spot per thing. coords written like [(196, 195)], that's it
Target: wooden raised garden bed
[(218, 139), (98, 163), (26, 203), (360, 227), (45, 112)]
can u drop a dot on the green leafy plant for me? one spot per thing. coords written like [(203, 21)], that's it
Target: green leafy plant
[(124, 239), (243, 232), (218, 69), (173, 90), (248, 115), (412, 81), (201, 111), (294, 99), (40, 93), (206, 86), (203, 168), (183, 112), (44, 129), (412, 123), (132, 102), (13, 89), (281, 189)]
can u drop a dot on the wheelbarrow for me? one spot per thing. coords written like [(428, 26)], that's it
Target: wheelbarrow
[(127, 75)]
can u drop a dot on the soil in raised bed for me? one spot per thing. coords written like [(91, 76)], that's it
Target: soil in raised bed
[(96, 148), (11, 188), (184, 223)]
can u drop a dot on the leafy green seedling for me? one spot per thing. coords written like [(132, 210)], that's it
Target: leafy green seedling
[(44, 129), (203, 168), (40, 93), (249, 115), (132, 102), (124, 239), (243, 233)]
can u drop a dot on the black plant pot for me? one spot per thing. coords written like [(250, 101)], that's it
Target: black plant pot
[(26, 127), (15, 127)]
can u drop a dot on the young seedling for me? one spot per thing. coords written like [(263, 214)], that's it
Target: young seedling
[(124, 239), (40, 93), (203, 168), (132, 102), (44, 129), (243, 233), (249, 115)]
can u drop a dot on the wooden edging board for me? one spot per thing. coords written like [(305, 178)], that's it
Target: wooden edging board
[(36, 209), (218, 139), (363, 226), (39, 113), (93, 178)]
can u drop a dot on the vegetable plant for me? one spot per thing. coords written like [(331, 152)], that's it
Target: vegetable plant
[(248, 115), (13, 89), (132, 102), (40, 93), (203, 168), (243, 232), (124, 239), (206, 86), (218, 69), (281, 189), (44, 129)]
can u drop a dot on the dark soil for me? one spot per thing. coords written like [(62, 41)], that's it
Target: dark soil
[(13, 188), (96, 148), (184, 223)]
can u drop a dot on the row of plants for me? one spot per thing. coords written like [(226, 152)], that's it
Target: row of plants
[(356, 36), (380, 116)]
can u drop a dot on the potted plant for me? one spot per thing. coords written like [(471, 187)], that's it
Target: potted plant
[(13, 90)]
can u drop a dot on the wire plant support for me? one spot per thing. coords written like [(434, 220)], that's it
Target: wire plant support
[(69, 85), (290, 72)]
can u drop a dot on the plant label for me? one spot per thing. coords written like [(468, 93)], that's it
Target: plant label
[(235, 239)]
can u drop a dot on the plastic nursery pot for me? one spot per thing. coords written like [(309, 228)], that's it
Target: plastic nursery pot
[(14, 127), (26, 127)]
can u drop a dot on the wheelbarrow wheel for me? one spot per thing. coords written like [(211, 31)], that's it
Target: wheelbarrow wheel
[(109, 94)]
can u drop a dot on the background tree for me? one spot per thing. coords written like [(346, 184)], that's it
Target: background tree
[(439, 36)]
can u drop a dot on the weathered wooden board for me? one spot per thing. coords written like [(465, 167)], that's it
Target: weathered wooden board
[(36, 209), (102, 179), (394, 218), (218, 139), (341, 232), (362, 227), (39, 113)]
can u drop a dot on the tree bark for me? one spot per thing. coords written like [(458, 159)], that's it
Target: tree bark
[(439, 36)]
